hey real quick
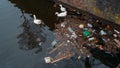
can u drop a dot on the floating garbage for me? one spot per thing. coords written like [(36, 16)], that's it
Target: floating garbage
[(54, 43), (91, 39), (100, 47), (116, 31), (86, 33), (81, 26), (110, 33), (79, 57), (71, 30), (73, 35), (115, 35), (68, 41), (80, 45), (47, 59), (89, 25), (67, 35), (107, 27), (63, 24), (117, 41), (94, 31), (103, 32), (85, 29), (40, 43)]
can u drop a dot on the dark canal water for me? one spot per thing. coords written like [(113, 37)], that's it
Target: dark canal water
[(11, 56), (13, 13)]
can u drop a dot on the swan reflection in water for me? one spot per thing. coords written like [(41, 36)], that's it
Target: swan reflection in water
[(31, 36)]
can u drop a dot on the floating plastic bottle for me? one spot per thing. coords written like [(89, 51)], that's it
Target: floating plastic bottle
[(86, 33)]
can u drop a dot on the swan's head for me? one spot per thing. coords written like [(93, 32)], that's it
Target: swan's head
[(34, 16), (56, 13), (60, 5)]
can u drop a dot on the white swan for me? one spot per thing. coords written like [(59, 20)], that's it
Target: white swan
[(62, 14), (37, 21), (62, 8)]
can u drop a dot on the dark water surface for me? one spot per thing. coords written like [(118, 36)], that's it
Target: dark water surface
[(13, 14), (11, 56)]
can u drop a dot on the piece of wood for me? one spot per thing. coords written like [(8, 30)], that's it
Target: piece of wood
[(66, 56), (56, 48)]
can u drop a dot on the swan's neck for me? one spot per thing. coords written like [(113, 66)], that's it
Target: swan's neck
[(60, 5), (34, 17)]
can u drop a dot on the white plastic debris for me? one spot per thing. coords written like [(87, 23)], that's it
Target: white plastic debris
[(108, 39), (67, 35), (94, 31), (79, 57), (115, 35), (63, 24), (68, 41), (70, 29), (117, 41), (116, 31), (104, 40), (47, 60), (81, 26), (74, 35), (102, 32), (40, 43), (89, 25), (38, 39), (54, 43), (91, 39)]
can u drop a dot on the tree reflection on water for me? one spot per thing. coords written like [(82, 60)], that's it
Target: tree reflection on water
[(31, 36)]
